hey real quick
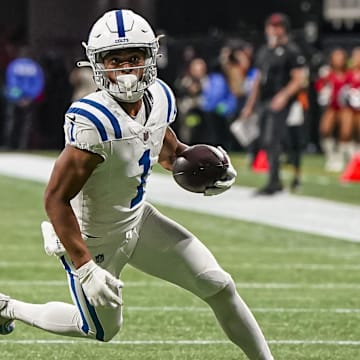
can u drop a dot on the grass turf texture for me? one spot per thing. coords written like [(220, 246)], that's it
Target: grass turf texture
[(315, 180), (300, 287)]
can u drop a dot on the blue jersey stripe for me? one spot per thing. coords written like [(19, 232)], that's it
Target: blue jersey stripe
[(91, 309), (100, 127), (115, 124), (120, 23), (169, 99), (95, 319), (85, 326)]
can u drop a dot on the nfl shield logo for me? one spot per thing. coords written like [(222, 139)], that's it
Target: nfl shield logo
[(99, 258), (146, 136)]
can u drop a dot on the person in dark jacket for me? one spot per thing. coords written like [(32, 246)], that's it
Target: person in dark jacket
[(279, 79)]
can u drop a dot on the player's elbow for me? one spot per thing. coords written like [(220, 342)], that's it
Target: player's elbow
[(53, 202), (49, 201)]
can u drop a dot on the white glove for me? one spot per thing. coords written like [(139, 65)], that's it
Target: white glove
[(224, 184), (100, 287), (52, 244)]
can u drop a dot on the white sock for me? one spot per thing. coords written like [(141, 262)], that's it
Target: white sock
[(239, 323), (347, 149), (328, 145), (333, 157), (56, 317)]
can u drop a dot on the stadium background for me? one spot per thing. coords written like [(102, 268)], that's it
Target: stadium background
[(53, 32), (303, 287)]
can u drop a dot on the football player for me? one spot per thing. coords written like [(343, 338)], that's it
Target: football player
[(95, 199)]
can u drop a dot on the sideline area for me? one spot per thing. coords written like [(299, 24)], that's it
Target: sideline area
[(293, 212)]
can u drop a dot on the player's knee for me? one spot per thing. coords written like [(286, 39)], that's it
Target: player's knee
[(105, 332), (211, 282), (109, 334)]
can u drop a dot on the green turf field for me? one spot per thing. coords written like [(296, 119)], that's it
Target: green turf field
[(316, 181), (304, 291)]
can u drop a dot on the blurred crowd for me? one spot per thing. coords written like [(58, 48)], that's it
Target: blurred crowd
[(338, 89), (35, 93), (211, 92)]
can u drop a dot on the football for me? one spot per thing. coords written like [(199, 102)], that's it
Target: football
[(199, 167)]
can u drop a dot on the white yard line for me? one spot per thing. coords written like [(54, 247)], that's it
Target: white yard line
[(171, 342), (266, 267), (311, 267), (26, 264), (160, 284), (259, 310), (285, 210)]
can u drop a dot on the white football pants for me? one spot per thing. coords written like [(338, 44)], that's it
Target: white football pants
[(162, 248)]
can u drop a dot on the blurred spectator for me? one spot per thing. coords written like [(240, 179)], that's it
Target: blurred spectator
[(352, 105), (219, 105), (8, 53), (205, 103), (82, 81), (57, 97), (335, 122), (280, 78), (24, 85), (189, 88), (237, 64)]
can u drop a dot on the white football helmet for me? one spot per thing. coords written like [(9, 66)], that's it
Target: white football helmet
[(122, 29)]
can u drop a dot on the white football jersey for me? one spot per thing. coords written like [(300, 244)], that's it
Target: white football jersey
[(112, 198)]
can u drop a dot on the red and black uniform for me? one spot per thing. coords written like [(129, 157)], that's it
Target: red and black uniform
[(333, 82), (353, 89)]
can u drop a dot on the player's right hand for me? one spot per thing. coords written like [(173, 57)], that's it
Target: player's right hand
[(223, 184), (100, 287)]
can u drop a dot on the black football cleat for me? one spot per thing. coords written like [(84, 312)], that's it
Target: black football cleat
[(295, 185), (269, 189)]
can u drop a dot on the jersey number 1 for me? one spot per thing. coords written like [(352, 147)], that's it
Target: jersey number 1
[(145, 162)]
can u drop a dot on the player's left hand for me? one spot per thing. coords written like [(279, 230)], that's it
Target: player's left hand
[(223, 184), (100, 287)]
